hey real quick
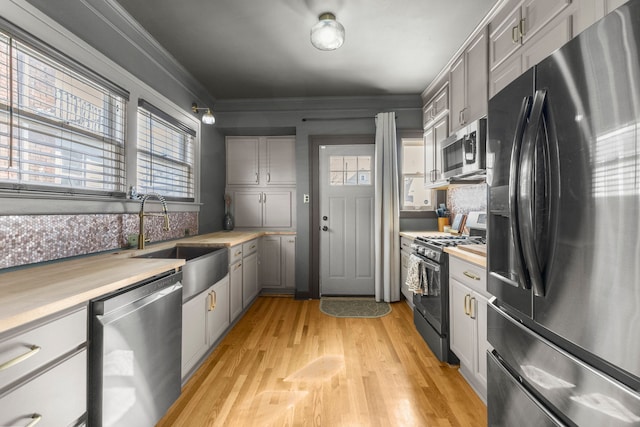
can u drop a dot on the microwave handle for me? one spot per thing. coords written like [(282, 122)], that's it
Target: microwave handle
[(469, 155)]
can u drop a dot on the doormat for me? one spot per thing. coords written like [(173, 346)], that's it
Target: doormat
[(354, 307)]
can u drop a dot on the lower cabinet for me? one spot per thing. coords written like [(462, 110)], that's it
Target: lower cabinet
[(43, 379), (250, 288), (405, 253), (277, 262), (204, 318), (235, 290), (468, 321)]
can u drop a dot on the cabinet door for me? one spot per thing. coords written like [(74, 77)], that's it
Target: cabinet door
[(440, 133), (247, 208), (249, 278), (461, 324), (480, 314), (404, 268), (456, 94), (217, 310), (504, 74), (235, 290), (242, 160), (477, 73), (280, 159), (441, 102), (277, 209), (270, 262), (538, 13), (58, 396), (504, 37), (548, 41), (194, 334), (608, 6), (288, 255), (429, 156), (427, 115)]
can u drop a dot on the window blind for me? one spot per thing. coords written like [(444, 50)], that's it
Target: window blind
[(60, 131), (165, 155)]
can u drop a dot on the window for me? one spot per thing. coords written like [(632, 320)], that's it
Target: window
[(165, 154), (414, 195), (350, 170), (61, 126)]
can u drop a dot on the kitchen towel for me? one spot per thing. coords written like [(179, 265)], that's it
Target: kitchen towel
[(413, 275)]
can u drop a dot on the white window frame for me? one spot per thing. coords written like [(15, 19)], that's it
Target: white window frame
[(413, 140)]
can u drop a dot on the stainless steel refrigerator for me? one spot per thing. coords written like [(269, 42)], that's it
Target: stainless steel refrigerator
[(563, 171)]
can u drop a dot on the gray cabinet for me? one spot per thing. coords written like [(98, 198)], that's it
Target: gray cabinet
[(433, 138), (44, 373), (468, 321), (277, 262), (468, 83), (250, 288), (405, 253), (235, 290), (436, 107), (261, 161), (204, 318), (263, 209)]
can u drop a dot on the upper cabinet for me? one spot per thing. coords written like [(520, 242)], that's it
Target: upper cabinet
[(468, 83), (261, 160), (436, 108)]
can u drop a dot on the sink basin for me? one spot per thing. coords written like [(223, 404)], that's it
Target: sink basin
[(204, 267)]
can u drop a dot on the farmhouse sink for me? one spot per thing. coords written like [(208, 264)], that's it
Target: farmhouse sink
[(204, 267)]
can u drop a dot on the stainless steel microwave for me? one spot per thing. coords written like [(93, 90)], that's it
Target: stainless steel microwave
[(463, 153)]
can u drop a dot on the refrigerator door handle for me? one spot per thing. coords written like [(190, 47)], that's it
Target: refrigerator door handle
[(514, 164), (526, 207)]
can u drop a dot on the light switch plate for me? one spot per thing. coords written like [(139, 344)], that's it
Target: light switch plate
[(132, 239)]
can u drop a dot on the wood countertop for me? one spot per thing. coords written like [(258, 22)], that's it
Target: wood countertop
[(32, 293), (471, 257), (414, 234)]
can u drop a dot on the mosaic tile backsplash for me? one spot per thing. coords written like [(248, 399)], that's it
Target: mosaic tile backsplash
[(467, 198), (27, 239)]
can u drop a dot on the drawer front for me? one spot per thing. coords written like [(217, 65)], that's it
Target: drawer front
[(37, 347), (471, 275), (58, 396), (405, 244), (249, 247), (235, 254)]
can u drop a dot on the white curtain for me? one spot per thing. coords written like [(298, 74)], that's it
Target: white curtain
[(387, 210)]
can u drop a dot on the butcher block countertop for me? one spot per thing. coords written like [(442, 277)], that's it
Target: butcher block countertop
[(471, 254), (32, 293), (414, 234)]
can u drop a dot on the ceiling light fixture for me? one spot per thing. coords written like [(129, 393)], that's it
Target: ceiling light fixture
[(207, 117), (327, 34)]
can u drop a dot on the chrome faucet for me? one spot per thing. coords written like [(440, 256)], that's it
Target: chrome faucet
[(141, 214)]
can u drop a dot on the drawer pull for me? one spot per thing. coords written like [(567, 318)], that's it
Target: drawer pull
[(471, 275), (213, 300), (35, 419), (253, 247), (238, 253), (6, 365), (473, 307), (467, 299), (237, 267)]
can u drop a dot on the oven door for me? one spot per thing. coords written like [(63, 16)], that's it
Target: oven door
[(430, 303)]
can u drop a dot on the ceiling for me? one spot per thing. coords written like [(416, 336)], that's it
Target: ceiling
[(261, 49)]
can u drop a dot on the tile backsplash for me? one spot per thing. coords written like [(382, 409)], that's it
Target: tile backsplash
[(467, 198), (27, 239)]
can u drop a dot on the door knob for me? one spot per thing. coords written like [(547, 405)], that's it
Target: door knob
[(324, 218), (325, 228)]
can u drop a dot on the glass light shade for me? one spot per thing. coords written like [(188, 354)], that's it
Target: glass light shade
[(327, 34), (207, 118)]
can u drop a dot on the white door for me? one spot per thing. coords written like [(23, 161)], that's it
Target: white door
[(346, 219)]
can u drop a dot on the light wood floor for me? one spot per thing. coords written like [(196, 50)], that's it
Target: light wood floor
[(288, 364)]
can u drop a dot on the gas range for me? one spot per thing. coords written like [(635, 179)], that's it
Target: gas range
[(432, 247)]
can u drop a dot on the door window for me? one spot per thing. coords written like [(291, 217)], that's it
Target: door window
[(350, 170)]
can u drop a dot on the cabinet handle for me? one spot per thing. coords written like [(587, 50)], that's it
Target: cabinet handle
[(212, 300), (471, 275), (514, 35), (292, 241), (264, 197), (460, 117), (472, 307), (238, 253), (521, 27), (35, 419), (32, 351), (466, 304), (268, 176), (252, 247), (259, 197), (257, 178), (237, 267)]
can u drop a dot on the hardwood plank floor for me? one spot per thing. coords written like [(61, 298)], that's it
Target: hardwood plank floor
[(288, 364)]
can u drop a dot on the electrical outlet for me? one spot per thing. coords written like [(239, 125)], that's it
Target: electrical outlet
[(187, 232), (305, 198), (132, 239)]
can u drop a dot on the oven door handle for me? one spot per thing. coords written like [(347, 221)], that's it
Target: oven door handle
[(432, 265)]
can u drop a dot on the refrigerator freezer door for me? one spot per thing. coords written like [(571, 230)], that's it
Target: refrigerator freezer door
[(508, 114), (592, 274)]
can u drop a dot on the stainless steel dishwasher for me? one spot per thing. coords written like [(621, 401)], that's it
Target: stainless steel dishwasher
[(135, 337)]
